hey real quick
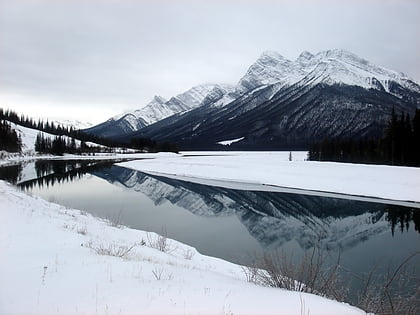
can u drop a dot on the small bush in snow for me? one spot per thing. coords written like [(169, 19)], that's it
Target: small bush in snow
[(159, 274), (310, 274), (188, 254), (82, 230), (115, 220), (159, 242), (116, 250)]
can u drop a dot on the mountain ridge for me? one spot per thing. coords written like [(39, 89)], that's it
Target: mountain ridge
[(345, 82)]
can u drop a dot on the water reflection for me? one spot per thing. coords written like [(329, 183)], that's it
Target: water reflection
[(269, 216), (273, 218), (11, 173), (402, 217), (49, 173)]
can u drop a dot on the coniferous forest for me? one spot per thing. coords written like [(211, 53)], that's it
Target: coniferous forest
[(59, 144), (10, 140), (400, 145)]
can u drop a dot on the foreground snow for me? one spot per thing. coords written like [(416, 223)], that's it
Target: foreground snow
[(273, 170), (50, 265)]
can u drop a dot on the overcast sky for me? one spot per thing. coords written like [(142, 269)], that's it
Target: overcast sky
[(92, 59)]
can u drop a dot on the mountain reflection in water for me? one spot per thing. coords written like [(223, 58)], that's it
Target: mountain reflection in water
[(272, 218)]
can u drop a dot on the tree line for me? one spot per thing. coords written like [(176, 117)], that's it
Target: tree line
[(400, 145), (59, 145)]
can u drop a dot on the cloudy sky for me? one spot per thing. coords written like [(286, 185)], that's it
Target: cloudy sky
[(92, 59)]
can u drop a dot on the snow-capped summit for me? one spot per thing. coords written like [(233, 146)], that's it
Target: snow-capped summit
[(153, 111), (269, 68), (335, 66), (75, 124), (304, 58), (341, 66), (220, 95), (157, 109)]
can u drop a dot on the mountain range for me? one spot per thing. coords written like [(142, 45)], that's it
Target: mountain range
[(277, 104)]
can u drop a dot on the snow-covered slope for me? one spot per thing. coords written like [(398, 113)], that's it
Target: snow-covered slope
[(59, 260), (28, 136)]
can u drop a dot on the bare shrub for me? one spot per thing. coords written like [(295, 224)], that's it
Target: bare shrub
[(115, 220), (160, 242), (188, 254), (382, 294), (388, 294), (113, 249), (82, 230), (159, 274), (310, 274), (251, 273)]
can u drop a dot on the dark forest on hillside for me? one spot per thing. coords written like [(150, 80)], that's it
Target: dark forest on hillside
[(400, 145), (10, 140)]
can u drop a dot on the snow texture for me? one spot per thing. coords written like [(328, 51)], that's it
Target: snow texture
[(229, 142), (50, 264)]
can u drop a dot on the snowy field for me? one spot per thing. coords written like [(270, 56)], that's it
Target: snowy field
[(274, 170), (62, 261)]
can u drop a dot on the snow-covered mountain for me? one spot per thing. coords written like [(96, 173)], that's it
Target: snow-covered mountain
[(159, 108), (277, 104), (75, 124), (331, 67), (284, 104)]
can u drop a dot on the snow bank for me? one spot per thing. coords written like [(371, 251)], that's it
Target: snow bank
[(273, 169), (50, 265)]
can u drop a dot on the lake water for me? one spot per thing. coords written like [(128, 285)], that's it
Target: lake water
[(236, 225)]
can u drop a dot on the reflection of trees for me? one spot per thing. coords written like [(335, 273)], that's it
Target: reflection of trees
[(11, 173), (402, 216), (52, 172)]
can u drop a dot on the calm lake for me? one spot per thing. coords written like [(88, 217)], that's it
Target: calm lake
[(236, 225)]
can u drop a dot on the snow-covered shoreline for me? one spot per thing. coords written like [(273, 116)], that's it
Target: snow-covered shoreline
[(15, 158), (273, 169), (50, 265)]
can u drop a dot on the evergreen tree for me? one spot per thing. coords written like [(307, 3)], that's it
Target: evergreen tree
[(9, 139)]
